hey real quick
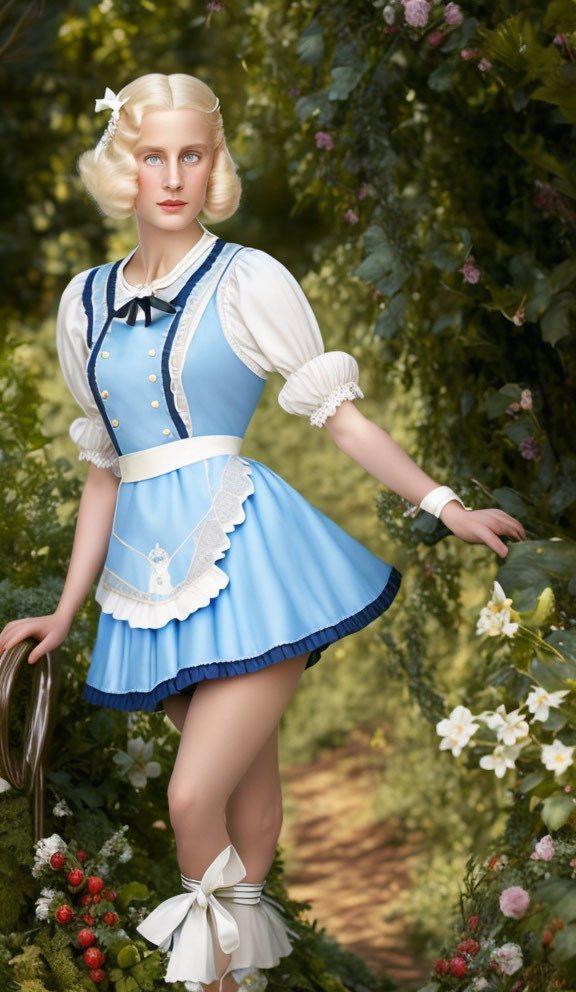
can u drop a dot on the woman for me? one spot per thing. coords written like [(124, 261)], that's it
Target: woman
[(167, 352)]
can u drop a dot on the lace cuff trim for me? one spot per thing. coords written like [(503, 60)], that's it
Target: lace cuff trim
[(348, 391)]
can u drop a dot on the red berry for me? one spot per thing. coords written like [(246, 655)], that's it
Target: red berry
[(468, 947), (458, 966), (473, 922), (97, 898), (81, 855), (57, 860), (88, 919), (111, 894), (547, 936), (86, 937), (93, 957), (95, 883), (97, 975), (75, 876), (64, 914), (441, 966), (86, 899), (111, 919)]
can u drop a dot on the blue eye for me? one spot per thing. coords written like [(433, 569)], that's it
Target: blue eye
[(147, 157)]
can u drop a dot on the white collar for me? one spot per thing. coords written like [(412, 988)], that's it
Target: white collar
[(207, 240)]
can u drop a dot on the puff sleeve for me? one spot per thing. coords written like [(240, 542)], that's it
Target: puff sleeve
[(267, 314), (88, 432)]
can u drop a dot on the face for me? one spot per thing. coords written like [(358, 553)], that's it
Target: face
[(174, 159)]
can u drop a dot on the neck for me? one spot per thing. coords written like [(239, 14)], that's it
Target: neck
[(158, 251)]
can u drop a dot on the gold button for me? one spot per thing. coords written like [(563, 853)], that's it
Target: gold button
[(154, 403), (105, 354), (152, 352), (152, 377), (114, 423), (104, 394), (166, 430)]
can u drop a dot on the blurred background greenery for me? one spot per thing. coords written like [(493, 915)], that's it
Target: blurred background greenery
[(415, 172)]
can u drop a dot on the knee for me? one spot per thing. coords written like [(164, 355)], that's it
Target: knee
[(263, 820), (190, 802)]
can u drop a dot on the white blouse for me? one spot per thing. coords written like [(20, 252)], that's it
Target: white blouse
[(266, 318)]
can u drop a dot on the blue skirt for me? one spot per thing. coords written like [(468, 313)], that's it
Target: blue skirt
[(297, 583)]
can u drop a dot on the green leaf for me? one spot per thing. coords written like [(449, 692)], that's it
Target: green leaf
[(310, 47), (531, 781), (543, 609), (560, 895), (128, 956), (133, 890), (563, 947), (556, 810), (392, 318), (555, 321)]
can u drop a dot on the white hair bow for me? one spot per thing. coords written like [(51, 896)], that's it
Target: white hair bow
[(111, 101)]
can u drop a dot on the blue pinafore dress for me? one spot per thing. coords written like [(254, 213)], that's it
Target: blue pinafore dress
[(218, 567)]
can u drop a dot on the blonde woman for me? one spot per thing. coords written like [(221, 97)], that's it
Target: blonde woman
[(218, 582)]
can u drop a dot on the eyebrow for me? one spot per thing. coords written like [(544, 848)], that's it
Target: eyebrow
[(157, 148)]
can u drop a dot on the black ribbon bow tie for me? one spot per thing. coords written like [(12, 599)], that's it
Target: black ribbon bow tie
[(146, 302)]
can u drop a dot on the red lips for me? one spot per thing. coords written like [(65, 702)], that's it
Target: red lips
[(172, 203)]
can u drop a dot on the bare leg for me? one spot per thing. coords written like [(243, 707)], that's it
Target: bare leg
[(254, 809), (228, 723)]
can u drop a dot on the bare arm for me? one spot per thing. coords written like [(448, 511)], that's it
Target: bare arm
[(384, 459), (93, 528), (91, 538)]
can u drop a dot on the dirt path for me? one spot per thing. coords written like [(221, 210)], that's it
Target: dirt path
[(350, 868)]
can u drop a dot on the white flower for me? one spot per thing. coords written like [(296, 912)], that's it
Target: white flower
[(509, 727), (45, 848), (540, 701), (509, 957), (501, 759), (134, 763), (4, 785), (478, 983), (458, 729), (495, 617), (389, 13), (116, 848), (61, 808), (557, 756), (43, 902)]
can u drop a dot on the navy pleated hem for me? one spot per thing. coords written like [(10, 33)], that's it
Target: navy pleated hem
[(187, 678)]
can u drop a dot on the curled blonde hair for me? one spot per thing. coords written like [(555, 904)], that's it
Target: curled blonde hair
[(111, 179)]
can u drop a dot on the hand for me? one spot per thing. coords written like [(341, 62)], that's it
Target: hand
[(49, 630), (482, 526)]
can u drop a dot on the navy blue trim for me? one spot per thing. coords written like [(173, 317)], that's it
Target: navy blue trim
[(87, 303), (179, 300), (186, 677), (90, 365)]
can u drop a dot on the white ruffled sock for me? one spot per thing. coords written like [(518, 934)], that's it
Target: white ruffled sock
[(247, 924)]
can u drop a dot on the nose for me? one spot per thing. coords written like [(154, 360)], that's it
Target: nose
[(173, 175)]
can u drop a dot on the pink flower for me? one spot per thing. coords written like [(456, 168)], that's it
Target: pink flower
[(417, 13), (526, 399), (324, 140), (514, 902), (470, 53), (362, 192), (544, 849), (519, 317), (351, 216), (529, 449), (436, 38), (214, 6), (453, 15), (484, 65), (470, 270)]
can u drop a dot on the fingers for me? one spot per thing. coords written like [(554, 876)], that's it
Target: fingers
[(515, 527), (19, 630), (492, 540)]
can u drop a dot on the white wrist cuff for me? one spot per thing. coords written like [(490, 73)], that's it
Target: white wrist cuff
[(435, 501)]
